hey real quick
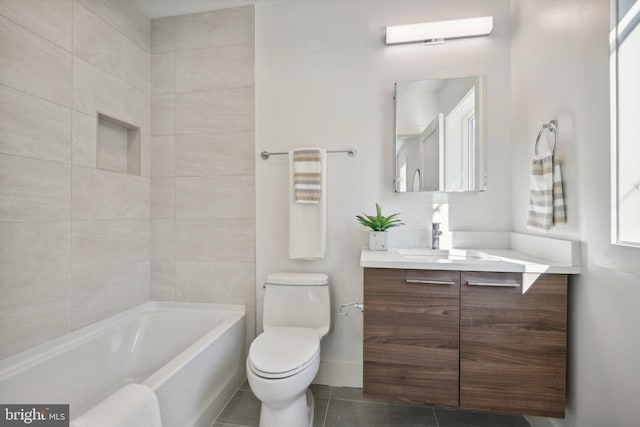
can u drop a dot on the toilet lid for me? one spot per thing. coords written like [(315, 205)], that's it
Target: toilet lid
[(282, 351)]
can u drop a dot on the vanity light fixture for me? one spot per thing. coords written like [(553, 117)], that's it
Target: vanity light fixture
[(437, 32)]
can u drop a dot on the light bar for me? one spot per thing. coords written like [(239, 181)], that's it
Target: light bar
[(439, 30)]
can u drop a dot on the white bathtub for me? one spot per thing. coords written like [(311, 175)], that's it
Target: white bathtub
[(191, 355)]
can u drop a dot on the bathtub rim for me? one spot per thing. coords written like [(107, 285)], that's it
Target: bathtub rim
[(17, 363)]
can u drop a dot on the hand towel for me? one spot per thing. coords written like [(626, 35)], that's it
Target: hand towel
[(308, 209), (546, 200), (134, 405), (307, 173)]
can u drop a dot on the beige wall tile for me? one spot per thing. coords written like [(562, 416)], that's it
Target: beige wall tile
[(224, 67), (99, 194), (111, 268), (250, 327), (33, 64), (215, 282), (215, 154), (228, 110), (163, 280), (145, 153), (105, 47), (33, 127), (217, 28), (34, 284), (124, 16), (220, 239), (163, 73), (106, 291), (84, 139), (163, 233), (50, 19), (163, 35), (162, 115), (163, 197), (95, 91), (162, 156), (34, 190), (215, 197)]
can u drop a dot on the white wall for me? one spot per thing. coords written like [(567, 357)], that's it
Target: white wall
[(325, 78), (559, 63)]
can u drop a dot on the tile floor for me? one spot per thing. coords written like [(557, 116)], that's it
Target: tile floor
[(345, 407)]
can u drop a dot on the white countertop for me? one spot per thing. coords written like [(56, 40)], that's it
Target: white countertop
[(566, 258)]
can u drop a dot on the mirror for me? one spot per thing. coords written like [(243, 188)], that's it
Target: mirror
[(439, 144), (625, 126)]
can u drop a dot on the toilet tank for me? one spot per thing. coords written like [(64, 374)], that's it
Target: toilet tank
[(297, 299)]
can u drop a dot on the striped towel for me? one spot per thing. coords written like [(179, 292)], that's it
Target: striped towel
[(307, 175), (546, 201)]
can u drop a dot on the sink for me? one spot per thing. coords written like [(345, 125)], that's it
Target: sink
[(443, 254)]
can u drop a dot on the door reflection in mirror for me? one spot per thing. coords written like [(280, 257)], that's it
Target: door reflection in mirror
[(439, 132)]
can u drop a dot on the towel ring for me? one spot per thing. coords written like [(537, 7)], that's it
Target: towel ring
[(552, 126)]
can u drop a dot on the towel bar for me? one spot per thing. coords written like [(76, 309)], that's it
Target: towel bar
[(552, 126), (351, 152)]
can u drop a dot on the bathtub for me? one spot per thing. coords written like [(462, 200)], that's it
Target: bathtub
[(190, 355)]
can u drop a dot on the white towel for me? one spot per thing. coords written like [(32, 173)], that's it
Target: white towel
[(134, 405), (308, 219), (546, 200)]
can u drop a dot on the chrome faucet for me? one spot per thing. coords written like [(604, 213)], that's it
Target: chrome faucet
[(435, 235)]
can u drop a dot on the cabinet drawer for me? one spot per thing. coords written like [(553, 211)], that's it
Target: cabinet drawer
[(411, 336), (513, 343)]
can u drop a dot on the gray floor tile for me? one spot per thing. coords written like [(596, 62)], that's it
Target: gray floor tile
[(320, 391), (347, 393), (346, 413), (243, 409), (456, 418), (244, 385), (320, 412)]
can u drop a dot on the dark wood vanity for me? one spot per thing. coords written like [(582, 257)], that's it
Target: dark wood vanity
[(487, 341)]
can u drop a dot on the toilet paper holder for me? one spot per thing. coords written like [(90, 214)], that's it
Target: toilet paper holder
[(354, 305)]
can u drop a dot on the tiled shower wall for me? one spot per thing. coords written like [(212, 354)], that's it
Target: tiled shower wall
[(202, 151), (74, 240)]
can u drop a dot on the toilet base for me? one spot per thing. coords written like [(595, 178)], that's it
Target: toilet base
[(298, 413)]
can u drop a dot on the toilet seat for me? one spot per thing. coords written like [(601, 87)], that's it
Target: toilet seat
[(282, 352)]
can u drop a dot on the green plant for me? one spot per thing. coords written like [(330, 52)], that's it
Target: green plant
[(379, 222)]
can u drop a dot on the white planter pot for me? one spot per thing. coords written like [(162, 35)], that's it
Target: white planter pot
[(378, 240)]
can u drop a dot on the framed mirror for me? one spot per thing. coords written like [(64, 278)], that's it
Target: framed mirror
[(625, 126), (439, 138)]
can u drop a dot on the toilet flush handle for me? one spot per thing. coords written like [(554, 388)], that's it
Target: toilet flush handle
[(355, 305)]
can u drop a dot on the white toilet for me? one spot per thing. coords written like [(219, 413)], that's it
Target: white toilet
[(284, 359)]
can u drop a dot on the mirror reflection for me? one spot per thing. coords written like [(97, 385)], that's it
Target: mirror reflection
[(439, 135)]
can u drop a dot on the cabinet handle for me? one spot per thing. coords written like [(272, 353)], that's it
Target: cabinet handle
[(495, 284), (429, 282)]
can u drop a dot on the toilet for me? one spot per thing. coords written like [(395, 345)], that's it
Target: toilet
[(284, 359)]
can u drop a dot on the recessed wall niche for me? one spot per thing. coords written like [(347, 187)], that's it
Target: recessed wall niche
[(118, 146)]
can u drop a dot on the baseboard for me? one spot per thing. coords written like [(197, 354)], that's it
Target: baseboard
[(339, 373)]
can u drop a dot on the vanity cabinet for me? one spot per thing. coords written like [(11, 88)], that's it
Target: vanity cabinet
[(411, 323), (475, 340), (513, 342)]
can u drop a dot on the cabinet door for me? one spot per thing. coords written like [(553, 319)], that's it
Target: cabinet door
[(513, 343), (411, 341)]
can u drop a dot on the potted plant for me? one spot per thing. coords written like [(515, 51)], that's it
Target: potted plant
[(379, 236)]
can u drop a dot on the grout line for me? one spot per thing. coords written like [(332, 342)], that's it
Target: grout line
[(326, 411), (40, 36), (112, 26), (71, 183), (435, 416)]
